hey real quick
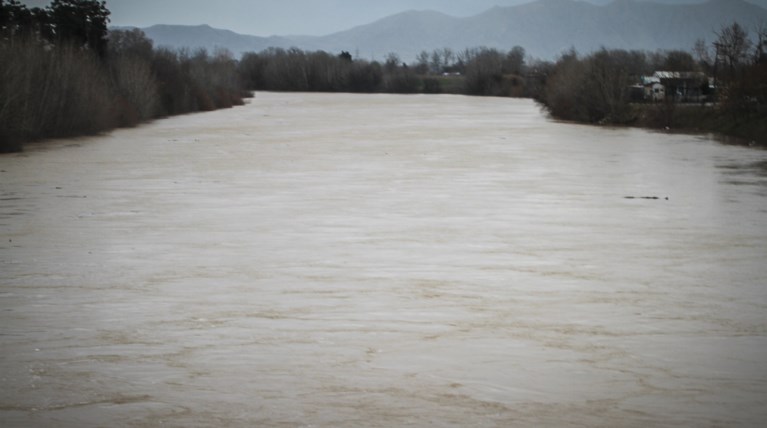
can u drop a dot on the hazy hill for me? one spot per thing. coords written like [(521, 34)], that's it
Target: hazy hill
[(545, 28), (204, 36)]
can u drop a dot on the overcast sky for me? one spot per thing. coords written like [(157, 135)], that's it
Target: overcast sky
[(291, 17)]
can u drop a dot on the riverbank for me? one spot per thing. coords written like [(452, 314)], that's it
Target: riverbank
[(62, 92), (746, 129)]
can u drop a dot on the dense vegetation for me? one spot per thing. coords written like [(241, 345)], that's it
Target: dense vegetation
[(596, 88), (473, 71), (62, 73)]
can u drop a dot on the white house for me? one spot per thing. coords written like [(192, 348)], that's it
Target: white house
[(684, 86), (653, 89)]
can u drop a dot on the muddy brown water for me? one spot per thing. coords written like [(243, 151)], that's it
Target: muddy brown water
[(380, 260)]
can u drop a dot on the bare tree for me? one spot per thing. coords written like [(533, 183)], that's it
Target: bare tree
[(760, 52), (464, 57), (137, 86), (447, 57), (392, 62), (484, 72), (677, 60), (515, 60), (702, 53), (423, 61), (732, 46), (132, 42), (436, 61)]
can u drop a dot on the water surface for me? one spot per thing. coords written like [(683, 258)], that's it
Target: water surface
[(379, 260)]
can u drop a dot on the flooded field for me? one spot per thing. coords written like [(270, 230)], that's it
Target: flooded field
[(378, 260)]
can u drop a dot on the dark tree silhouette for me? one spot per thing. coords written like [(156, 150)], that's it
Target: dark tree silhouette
[(16, 20), (732, 45), (82, 22)]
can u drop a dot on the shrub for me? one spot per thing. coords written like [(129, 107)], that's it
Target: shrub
[(75, 83), (594, 89), (49, 93), (136, 88)]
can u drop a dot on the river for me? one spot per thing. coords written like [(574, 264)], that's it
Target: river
[(339, 260)]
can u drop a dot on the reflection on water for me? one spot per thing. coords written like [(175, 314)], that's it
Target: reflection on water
[(747, 174), (759, 168), (358, 260)]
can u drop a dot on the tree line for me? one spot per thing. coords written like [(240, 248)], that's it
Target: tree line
[(63, 73), (596, 88), (593, 88), (479, 71)]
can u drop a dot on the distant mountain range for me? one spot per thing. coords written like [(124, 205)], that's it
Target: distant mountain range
[(545, 28)]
